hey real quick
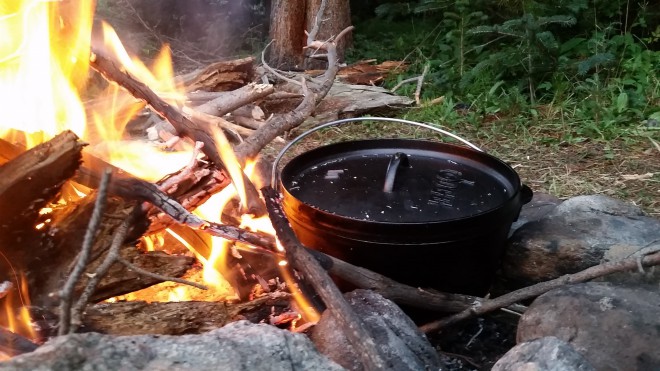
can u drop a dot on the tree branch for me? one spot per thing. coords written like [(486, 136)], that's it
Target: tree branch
[(600, 270), (297, 255), (66, 295)]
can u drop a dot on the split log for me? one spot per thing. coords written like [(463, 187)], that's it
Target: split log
[(31, 180), (220, 76), (177, 318), (119, 280), (346, 100), (51, 265)]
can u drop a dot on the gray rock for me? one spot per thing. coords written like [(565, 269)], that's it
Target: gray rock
[(397, 336), (544, 354), (237, 346), (540, 205), (576, 235), (613, 327)]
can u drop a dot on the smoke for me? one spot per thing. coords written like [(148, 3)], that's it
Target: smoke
[(198, 30)]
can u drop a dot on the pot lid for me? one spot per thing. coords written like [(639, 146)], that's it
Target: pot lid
[(400, 180)]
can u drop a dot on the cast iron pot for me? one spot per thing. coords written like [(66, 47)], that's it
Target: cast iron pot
[(424, 213)]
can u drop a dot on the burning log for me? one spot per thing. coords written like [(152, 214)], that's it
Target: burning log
[(13, 344), (176, 318), (27, 183), (351, 324), (31, 180), (182, 124)]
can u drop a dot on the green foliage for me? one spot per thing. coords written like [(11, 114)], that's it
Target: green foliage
[(589, 65)]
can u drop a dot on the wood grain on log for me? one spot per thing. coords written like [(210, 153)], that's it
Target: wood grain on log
[(31, 180), (176, 318), (221, 76)]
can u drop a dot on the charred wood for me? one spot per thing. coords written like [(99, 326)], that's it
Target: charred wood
[(176, 318), (33, 178), (13, 344), (351, 325)]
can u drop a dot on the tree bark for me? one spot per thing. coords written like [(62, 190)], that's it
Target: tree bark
[(287, 29)]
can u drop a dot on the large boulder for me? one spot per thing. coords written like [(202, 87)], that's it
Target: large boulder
[(615, 328), (544, 354), (402, 344), (237, 346), (575, 235)]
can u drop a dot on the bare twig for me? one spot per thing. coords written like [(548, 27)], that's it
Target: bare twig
[(110, 259), (137, 189), (66, 295), (418, 79), (157, 276), (420, 82), (403, 82), (487, 306)]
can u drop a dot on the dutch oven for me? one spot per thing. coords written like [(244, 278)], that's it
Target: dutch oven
[(424, 213)]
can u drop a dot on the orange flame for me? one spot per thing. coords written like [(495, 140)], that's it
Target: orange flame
[(43, 69)]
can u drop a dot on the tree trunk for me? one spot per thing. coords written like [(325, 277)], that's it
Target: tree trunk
[(336, 17), (290, 19), (287, 29)]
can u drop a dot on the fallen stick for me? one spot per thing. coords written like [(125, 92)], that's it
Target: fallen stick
[(352, 325), (486, 306), (230, 101)]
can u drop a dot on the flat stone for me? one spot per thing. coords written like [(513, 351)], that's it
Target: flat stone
[(543, 354), (237, 346), (613, 327), (575, 235), (402, 344)]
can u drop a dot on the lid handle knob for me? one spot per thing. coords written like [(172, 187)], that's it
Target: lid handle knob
[(398, 159)]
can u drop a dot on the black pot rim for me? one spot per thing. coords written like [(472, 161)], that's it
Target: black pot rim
[(515, 181)]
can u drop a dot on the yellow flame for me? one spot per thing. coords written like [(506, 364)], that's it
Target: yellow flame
[(42, 65), (16, 316)]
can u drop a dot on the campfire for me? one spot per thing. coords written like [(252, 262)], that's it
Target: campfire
[(131, 199), (92, 215)]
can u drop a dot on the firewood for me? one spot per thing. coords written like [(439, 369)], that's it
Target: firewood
[(220, 76), (176, 318), (318, 278), (13, 344), (235, 99), (31, 180), (183, 124)]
